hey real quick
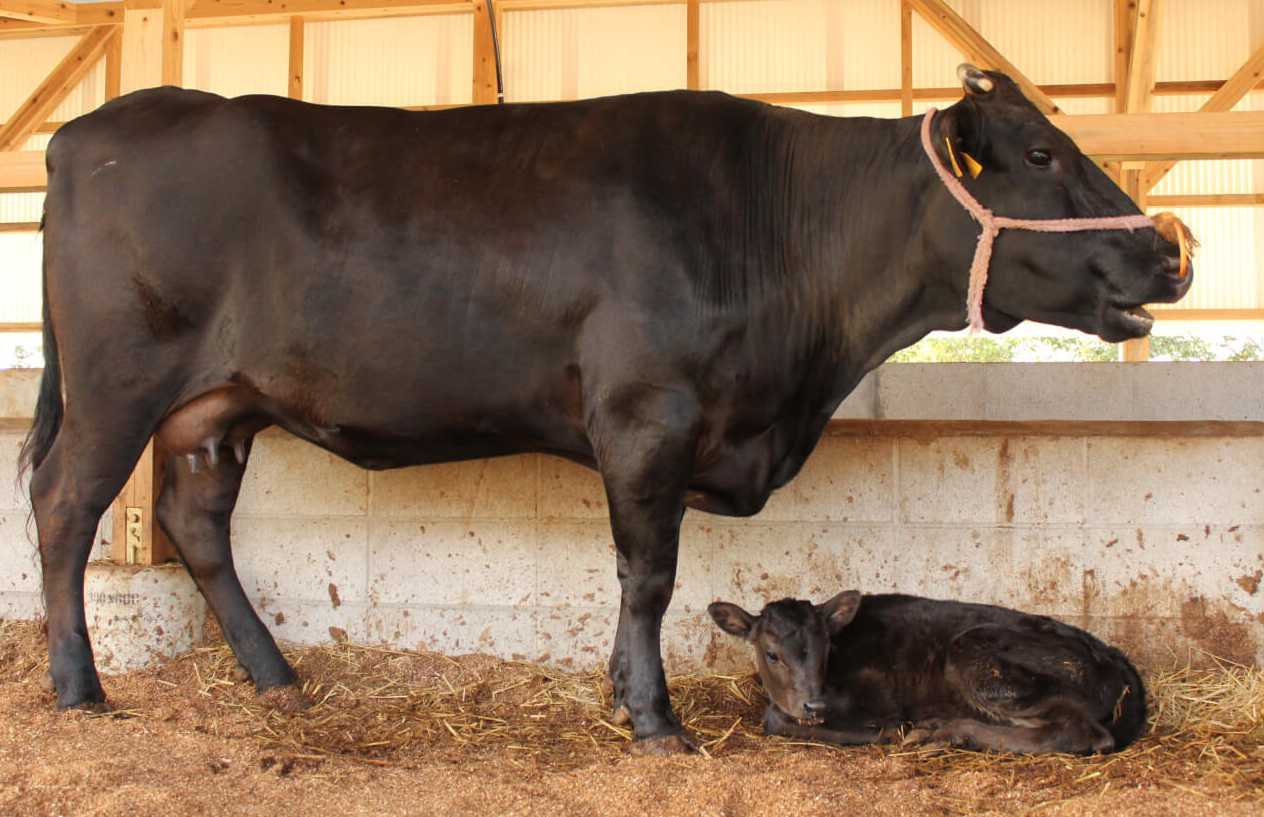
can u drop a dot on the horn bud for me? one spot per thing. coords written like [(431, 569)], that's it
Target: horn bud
[(974, 80)]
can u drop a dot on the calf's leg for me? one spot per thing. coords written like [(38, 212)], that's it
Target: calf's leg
[(1035, 710)]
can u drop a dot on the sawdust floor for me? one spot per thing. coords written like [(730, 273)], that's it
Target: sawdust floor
[(407, 734)]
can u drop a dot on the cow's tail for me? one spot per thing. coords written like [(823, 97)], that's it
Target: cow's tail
[(48, 405), (1128, 716)]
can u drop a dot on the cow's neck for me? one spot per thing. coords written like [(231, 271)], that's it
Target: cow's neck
[(888, 288)]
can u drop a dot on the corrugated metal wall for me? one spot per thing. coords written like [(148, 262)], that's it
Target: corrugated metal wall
[(747, 46)]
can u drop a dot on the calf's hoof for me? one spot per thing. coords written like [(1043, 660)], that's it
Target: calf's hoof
[(621, 716), (678, 744)]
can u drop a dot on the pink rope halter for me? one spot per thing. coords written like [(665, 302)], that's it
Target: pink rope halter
[(992, 225)]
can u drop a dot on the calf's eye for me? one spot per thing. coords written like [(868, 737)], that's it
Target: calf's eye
[(772, 657), (1039, 157)]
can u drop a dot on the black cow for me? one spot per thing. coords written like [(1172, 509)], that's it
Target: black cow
[(859, 669), (676, 289)]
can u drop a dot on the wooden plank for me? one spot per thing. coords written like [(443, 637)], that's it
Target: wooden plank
[(22, 170), (1229, 94), (1044, 428), (60, 82), (19, 227), (969, 42), (297, 30), (1206, 200), (1143, 55), (141, 65), (38, 11), (1155, 136), (484, 91), (21, 327), (693, 29), (906, 58)]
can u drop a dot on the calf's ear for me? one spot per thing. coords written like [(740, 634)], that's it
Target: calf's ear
[(974, 81), (840, 610), (731, 618)]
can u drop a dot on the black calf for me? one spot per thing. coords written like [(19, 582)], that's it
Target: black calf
[(857, 669)]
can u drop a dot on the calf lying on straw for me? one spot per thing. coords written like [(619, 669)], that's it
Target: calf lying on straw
[(857, 669)]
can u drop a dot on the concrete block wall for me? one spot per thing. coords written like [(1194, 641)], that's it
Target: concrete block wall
[(1122, 498)]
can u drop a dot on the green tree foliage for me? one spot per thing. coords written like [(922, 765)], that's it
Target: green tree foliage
[(1086, 350)]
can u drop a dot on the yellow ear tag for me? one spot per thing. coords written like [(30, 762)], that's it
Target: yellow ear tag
[(972, 165), (952, 157)]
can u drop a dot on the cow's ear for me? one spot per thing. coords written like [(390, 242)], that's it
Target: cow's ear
[(962, 129), (731, 618), (840, 610), (975, 81)]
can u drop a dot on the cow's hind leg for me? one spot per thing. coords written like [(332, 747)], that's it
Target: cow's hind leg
[(645, 470), (1035, 710), (70, 488), (195, 509)]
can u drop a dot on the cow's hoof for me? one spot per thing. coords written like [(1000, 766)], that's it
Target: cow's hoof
[(286, 698), (678, 744), (240, 673), (621, 716), (46, 682)]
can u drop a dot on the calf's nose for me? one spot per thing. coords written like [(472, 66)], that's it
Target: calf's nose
[(815, 707)]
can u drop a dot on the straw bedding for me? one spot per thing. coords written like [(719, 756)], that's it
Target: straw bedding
[(380, 709)]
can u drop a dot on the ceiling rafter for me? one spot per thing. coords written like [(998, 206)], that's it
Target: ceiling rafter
[(953, 28), (1228, 95), (60, 82)]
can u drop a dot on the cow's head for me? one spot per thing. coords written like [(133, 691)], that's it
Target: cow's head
[(1094, 281), (792, 642)]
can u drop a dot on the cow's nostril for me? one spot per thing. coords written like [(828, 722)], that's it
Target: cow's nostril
[(814, 707)]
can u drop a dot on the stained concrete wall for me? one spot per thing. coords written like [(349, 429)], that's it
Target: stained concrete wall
[(1124, 498)]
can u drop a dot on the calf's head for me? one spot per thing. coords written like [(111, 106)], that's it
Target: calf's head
[(1091, 280), (792, 643)]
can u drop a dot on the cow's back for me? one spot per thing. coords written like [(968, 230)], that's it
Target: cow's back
[(448, 281)]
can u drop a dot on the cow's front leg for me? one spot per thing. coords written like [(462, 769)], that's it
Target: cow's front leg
[(645, 487)]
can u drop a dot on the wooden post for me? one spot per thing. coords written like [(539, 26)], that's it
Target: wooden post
[(297, 29), (693, 30), (484, 92), (152, 54), (137, 538), (906, 58)]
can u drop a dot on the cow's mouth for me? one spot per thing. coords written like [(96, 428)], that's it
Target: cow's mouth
[(815, 720), (1131, 321)]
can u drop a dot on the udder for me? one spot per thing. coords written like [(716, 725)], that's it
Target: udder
[(209, 426)]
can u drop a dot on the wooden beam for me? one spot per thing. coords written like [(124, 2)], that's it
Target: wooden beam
[(969, 42), (1170, 314), (1157, 136), (1228, 95), (1206, 200), (1125, 16), (693, 34), (208, 13), (49, 93), (38, 11), (484, 91), (906, 58), (22, 170), (1143, 55), (19, 227), (297, 30)]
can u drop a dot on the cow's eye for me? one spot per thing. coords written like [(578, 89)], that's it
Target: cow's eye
[(1039, 157), (772, 657)]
